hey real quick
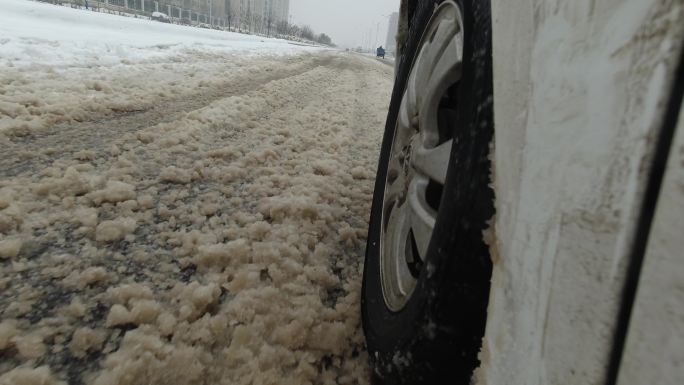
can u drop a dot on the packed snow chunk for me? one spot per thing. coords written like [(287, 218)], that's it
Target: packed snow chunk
[(223, 255), (118, 315), (88, 277), (29, 376), (125, 293), (8, 331), (146, 202), (175, 175), (85, 155), (12, 110), (360, 173), (10, 247), (195, 299), (320, 276), (192, 240), (86, 217), (224, 153), (209, 209), (279, 208), (166, 323), (330, 337), (325, 167), (259, 230), (75, 309), (348, 235), (293, 335), (10, 219), (84, 340), (243, 338), (115, 230), (146, 359), (244, 280), (261, 156), (265, 252), (7, 196), (145, 311), (30, 346), (71, 184), (113, 192)]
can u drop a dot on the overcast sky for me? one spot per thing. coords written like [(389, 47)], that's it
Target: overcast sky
[(345, 21)]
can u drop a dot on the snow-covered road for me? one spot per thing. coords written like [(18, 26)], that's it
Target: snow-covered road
[(191, 218)]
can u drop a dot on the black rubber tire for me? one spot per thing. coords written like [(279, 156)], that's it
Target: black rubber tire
[(436, 337)]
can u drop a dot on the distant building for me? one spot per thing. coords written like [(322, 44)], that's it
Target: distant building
[(195, 10), (252, 15), (393, 28), (256, 15)]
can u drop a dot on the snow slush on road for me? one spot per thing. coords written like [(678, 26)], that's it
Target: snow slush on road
[(194, 213)]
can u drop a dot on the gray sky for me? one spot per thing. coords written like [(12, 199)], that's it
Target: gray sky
[(345, 21)]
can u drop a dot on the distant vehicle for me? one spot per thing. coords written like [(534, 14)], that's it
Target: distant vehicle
[(162, 17), (380, 52)]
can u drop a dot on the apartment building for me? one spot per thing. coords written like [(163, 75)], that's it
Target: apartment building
[(259, 16), (256, 15), (214, 8), (391, 44)]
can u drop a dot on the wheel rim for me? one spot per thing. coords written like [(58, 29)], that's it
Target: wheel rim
[(419, 157)]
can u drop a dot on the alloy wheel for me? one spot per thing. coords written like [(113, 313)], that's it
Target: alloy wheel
[(419, 157)]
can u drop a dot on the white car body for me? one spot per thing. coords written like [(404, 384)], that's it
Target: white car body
[(581, 89), (580, 93)]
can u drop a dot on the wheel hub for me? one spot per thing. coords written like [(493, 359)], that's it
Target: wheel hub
[(419, 156)]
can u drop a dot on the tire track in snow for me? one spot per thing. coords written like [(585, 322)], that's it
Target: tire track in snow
[(95, 135)]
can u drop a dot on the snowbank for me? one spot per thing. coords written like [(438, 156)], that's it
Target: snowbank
[(33, 33)]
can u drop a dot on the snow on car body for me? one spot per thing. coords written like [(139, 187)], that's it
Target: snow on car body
[(581, 90)]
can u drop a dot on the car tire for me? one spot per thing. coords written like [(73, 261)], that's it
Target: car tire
[(433, 334)]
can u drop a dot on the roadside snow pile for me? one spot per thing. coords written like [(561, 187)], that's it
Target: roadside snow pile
[(212, 237), (33, 34), (62, 65)]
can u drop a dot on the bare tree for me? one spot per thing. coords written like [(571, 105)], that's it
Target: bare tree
[(324, 39), (282, 27), (307, 33), (295, 31), (269, 17), (229, 12)]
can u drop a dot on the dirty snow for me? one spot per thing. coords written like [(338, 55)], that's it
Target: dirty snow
[(35, 34), (75, 55), (189, 218)]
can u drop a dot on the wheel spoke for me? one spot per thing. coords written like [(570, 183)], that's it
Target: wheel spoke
[(436, 69), (406, 121), (394, 190), (430, 56), (397, 233), (432, 162), (421, 216), (411, 93)]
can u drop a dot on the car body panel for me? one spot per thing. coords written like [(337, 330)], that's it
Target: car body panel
[(580, 88), (654, 353)]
